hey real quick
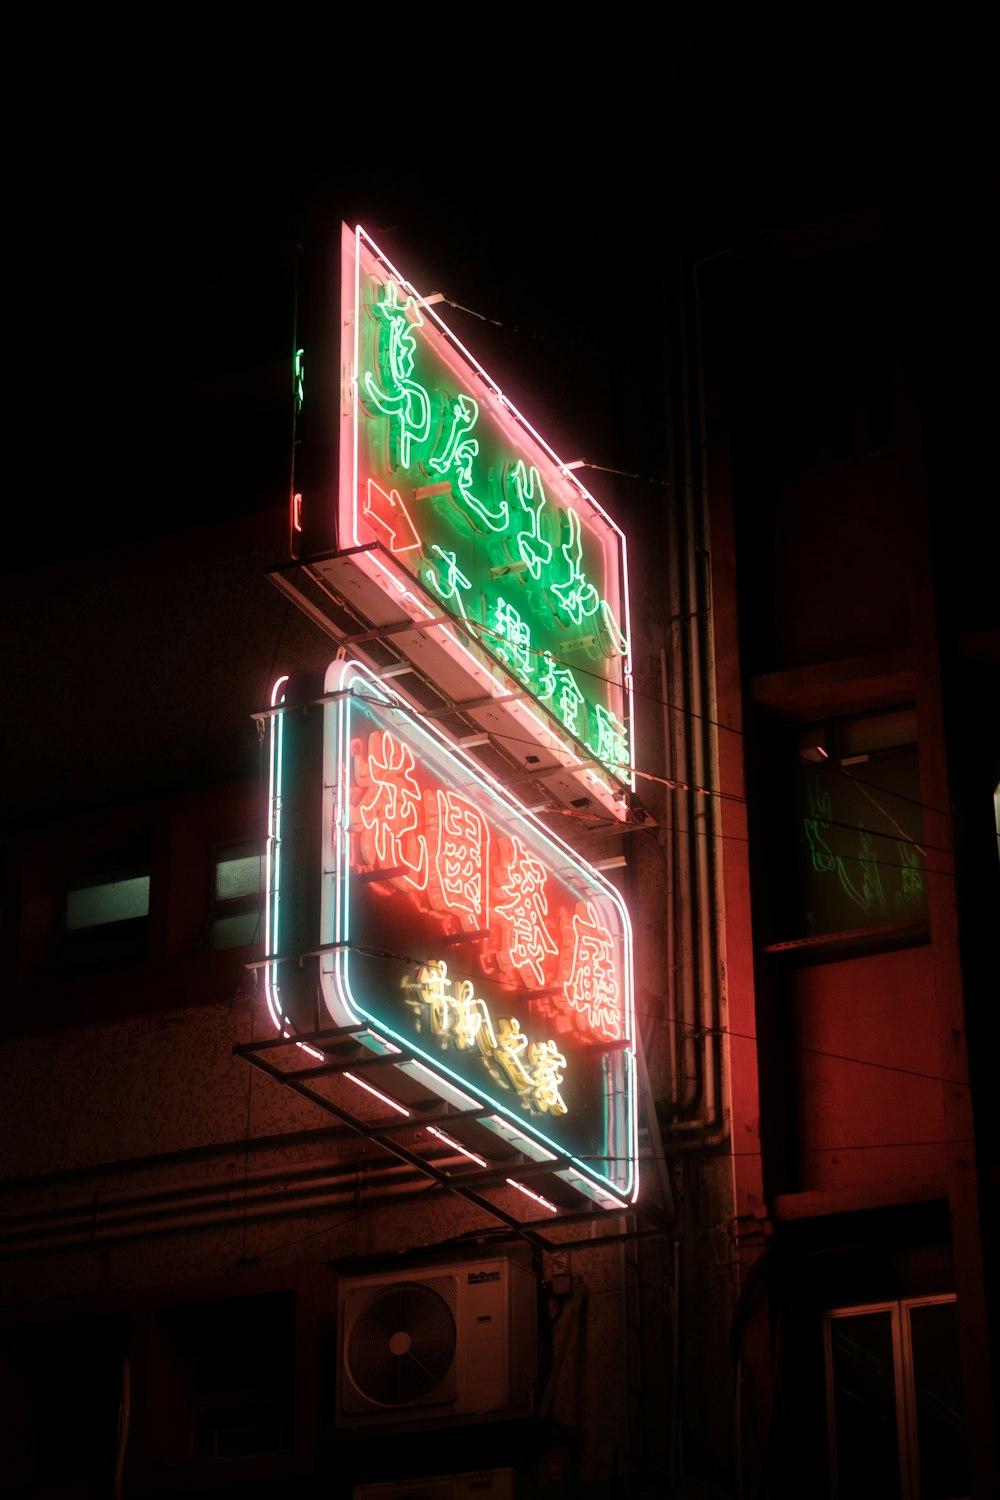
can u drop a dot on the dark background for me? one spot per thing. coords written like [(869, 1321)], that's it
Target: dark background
[(165, 169)]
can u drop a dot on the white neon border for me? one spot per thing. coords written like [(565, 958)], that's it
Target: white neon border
[(335, 923), (548, 736), (272, 889)]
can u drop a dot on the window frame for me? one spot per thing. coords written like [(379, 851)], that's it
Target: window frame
[(904, 1385), (222, 908)]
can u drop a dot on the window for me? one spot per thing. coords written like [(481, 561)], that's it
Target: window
[(236, 897), (836, 374), (223, 1381), (108, 901), (68, 1379), (894, 1405), (105, 908), (855, 861)]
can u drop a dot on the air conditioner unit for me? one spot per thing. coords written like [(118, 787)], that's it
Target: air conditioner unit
[(484, 1484), (437, 1343)]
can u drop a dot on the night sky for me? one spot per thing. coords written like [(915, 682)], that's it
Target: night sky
[(164, 165)]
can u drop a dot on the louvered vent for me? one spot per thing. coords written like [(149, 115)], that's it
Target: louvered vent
[(437, 1344), (401, 1344)]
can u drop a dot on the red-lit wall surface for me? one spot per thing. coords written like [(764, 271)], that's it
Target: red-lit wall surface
[(867, 1107)]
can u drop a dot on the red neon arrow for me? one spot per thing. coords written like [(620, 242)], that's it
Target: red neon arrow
[(390, 520)]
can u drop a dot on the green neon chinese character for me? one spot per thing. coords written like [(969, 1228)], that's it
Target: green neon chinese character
[(455, 460), (560, 689), (513, 638), (447, 579), (579, 599), (611, 747), (530, 495), (398, 395)]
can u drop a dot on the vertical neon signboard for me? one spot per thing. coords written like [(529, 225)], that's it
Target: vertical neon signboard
[(462, 511), (453, 927)]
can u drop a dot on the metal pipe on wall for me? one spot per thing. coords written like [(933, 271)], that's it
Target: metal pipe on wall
[(696, 1104)]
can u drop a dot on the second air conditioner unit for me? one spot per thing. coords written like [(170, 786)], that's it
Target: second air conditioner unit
[(485, 1484), (437, 1343)]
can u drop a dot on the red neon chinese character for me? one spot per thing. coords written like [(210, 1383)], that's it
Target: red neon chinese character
[(524, 938), (460, 877), (591, 982), (392, 812)]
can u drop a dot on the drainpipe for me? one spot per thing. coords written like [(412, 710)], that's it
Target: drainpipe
[(696, 1107)]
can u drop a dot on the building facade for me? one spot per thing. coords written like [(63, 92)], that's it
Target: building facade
[(228, 1265)]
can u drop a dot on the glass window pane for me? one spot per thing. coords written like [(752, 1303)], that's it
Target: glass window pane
[(859, 829), (944, 1469), (864, 1401), (112, 901), (237, 930), (238, 872)]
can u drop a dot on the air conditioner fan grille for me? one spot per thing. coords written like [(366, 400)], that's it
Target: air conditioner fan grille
[(402, 1344)]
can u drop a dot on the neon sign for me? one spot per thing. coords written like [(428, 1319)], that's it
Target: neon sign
[(450, 926), (455, 506)]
